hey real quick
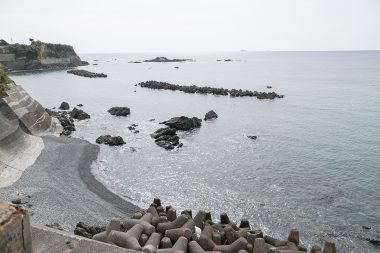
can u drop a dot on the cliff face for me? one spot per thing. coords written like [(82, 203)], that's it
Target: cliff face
[(38, 55), (22, 121)]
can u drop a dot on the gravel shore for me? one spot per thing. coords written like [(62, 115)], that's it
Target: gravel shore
[(60, 188)]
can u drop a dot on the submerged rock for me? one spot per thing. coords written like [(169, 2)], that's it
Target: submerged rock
[(110, 140), (64, 106), (211, 115), (183, 123), (79, 114), (119, 111)]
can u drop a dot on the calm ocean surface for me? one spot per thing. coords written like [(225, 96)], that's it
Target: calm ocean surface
[(315, 165)]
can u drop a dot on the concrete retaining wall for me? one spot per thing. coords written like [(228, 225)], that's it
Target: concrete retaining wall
[(56, 61), (22, 121), (7, 57)]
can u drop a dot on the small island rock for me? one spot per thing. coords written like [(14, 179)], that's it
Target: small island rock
[(211, 115), (64, 106)]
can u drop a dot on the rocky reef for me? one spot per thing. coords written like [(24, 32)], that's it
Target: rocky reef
[(119, 111), (164, 59), (110, 140), (209, 90), (38, 55), (85, 73), (164, 230), (167, 137), (183, 123), (66, 118)]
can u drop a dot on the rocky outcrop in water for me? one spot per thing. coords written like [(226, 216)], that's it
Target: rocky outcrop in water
[(64, 106), (166, 138), (183, 123), (166, 230), (119, 111), (210, 115), (79, 114), (38, 55), (209, 90), (110, 140), (66, 118), (85, 73), (164, 59)]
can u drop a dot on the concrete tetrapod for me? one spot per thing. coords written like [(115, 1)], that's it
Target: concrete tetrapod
[(329, 247), (171, 214), (234, 247), (231, 234), (177, 223), (274, 242), (143, 239), (186, 230), (316, 249), (152, 244), (194, 247), (260, 246), (154, 212), (199, 218), (144, 222), (113, 225), (179, 247), (205, 240), (129, 239), (294, 236), (166, 243)]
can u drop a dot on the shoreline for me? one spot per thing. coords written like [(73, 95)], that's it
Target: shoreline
[(60, 188)]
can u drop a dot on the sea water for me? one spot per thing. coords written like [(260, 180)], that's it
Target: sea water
[(315, 164)]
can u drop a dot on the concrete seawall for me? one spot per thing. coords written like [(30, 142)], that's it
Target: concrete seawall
[(22, 121)]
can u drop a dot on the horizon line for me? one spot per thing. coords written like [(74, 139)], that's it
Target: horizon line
[(233, 51)]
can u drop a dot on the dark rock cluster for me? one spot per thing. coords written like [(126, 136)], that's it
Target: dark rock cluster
[(133, 129), (209, 90), (64, 106), (164, 59), (110, 140), (79, 114), (167, 138), (164, 230), (119, 111), (66, 118), (210, 115), (183, 123), (85, 73)]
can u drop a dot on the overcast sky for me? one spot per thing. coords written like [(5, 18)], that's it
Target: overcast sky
[(194, 25)]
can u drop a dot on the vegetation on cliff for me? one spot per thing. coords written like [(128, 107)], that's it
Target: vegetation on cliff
[(4, 81), (37, 50)]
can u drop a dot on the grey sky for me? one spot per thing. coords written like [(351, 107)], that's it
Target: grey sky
[(194, 25)]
